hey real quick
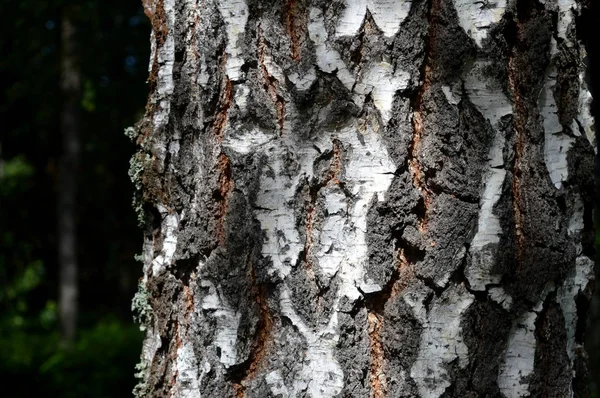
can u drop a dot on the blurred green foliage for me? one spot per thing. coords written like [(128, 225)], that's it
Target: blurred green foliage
[(99, 364)]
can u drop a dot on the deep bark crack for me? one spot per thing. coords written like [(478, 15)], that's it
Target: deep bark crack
[(224, 188), (271, 82), (248, 370), (414, 164)]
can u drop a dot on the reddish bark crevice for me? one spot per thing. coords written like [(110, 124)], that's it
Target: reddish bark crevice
[(375, 304), (291, 25), (336, 164), (173, 359), (332, 177), (223, 110), (262, 335), (270, 82), (376, 369), (224, 188), (519, 123), (189, 305), (414, 164), (155, 12), (404, 276)]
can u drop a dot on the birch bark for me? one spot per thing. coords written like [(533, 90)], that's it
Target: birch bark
[(365, 198)]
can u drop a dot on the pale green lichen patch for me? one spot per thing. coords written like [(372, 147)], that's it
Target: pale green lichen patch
[(131, 133), (141, 308), (137, 165), (141, 388)]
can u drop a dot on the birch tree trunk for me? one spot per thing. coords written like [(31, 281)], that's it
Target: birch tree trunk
[(365, 198)]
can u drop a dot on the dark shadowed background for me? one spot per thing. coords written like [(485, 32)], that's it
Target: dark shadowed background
[(110, 50)]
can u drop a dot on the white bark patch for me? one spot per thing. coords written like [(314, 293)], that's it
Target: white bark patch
[(382, 81), (519, 356), (151, 344), (577, 280), (276, 384), (330, 249), (488, 98), (147, 252), (556, 143), (169, 226), (283, 169), (250, 141), (476, 17), (441, 342), (486, 94), (203, 76), (498, 295), (328, 59), (576, 220), (227, 323), (241, 96), (585, 118), (388, 15), (166, 59), (321, 374), (303, 82), (575, 284), (273, 69), (275, 200), (415, 298), (152, 51), (352, 18), (235, 13), (450, 95), (368, 172), (188, 383), (565, 16)]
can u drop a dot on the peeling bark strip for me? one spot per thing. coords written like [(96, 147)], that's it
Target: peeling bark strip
[(364, 198)]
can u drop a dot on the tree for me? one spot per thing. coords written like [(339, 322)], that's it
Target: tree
[(67, 192), (365, 198)]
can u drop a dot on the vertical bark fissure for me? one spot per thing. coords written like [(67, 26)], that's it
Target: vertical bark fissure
[(225, 187), (414, 164), (377, 368), (332, 178), (249, 369), (223, 108), (271, 83), (375, 304), (155, 12), (291, 9), (519, 123)]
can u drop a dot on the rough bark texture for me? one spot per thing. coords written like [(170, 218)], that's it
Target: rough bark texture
[(359, 198)]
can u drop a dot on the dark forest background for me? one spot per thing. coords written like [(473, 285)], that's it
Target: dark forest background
[(112, 49)]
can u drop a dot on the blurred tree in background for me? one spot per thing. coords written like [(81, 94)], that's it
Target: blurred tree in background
[(113, 52)]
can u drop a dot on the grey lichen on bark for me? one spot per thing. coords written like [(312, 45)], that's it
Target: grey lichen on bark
[(365, 198)]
